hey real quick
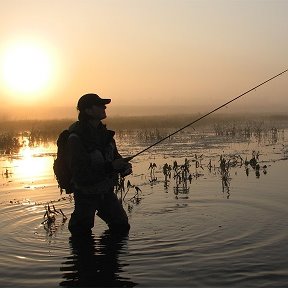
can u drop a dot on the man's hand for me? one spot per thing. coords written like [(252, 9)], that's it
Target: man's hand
[(122, 166)]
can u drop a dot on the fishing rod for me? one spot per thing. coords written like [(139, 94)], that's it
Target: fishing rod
[(205, 115)]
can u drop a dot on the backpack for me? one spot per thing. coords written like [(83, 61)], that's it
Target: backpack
[(60, 166)]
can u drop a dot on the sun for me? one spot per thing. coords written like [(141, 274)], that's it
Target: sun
[(26, 69)]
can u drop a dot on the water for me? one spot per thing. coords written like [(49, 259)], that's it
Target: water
[(198, 234)]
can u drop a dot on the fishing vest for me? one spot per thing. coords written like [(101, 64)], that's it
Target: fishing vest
[(101, 147)]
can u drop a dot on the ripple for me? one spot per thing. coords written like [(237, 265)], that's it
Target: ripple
[(27, 248), (209, 232)]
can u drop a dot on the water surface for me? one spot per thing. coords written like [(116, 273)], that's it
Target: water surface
[(200, 234)]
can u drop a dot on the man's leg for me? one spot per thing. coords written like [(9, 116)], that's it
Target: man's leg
[(112, 212), (82, 219)]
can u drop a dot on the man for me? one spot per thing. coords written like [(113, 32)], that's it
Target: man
[(95, 164)]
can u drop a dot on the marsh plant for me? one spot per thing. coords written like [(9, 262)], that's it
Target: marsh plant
[(152, 168), (9, 143), (182, 175), (225, 175), (122, 190), (259, 130), (50, 217), (148, 136)]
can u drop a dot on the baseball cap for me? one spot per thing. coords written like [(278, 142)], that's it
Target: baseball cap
[(90, 99)]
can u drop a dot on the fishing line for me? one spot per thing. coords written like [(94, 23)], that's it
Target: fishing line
[(205, 115)]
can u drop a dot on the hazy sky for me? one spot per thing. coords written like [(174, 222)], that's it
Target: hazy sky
[(140, 52)]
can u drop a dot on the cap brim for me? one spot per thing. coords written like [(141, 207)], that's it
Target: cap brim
[(105, 101)]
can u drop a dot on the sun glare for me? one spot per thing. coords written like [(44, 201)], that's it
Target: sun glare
[(29, 166), (26, 69)]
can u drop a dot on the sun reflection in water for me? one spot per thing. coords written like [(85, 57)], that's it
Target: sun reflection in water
[(30, 164)]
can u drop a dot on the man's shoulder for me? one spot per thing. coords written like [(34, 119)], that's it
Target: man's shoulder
[(74, 127), (74, 131)]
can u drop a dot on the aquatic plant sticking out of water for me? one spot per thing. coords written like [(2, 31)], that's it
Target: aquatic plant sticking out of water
[(152, 168), (181, 172), (120, 188), (136, 198), (50, 215), (181, 175), (7, 173), (254, 164), (51, 223), (9, 143), (285, 151), (225, 175)]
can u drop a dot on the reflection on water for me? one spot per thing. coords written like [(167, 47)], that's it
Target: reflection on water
[(30, 164), (95, 262)]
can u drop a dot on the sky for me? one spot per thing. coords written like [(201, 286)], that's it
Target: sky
[(149, 56)]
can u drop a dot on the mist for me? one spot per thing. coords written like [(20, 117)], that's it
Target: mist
[(69, 112)]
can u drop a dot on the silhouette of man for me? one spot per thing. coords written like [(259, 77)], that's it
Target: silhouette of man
[(95, 166)]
